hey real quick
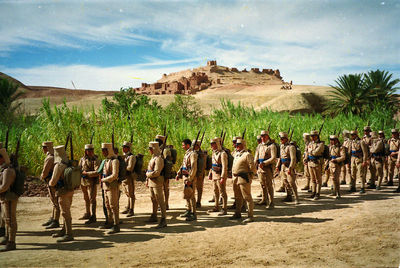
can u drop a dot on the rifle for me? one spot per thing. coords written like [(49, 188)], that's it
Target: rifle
[(269, 126), (91, 139), (202, 137), (244, 133), (8, 132), (222, 141), (165, 130), (222, 133), (15, 156), (165, 145), (290, 138), (100, 172), (66, 142), (71, 148), (132, 137), (197, 138), (322, 126)]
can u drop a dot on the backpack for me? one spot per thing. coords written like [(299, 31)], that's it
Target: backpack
[(201, 162), (122, 169), (230, 159), (326, 154), (298, 154), (18, 186), (278, 150), (174, 154), (139, 164), (208, 162), (167, 169), (387, 149), (72, 177)]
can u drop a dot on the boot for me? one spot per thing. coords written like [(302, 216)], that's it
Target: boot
[(248, 220), (130, 213), (222, 213), (186, 214), (215, 209), (191, 217), (91, 220), (390, 183), (60, 233), (397, 190), (338, 196), (4, 241), (236, 216), (106, 225), (372, 186), (48, 222), (212, 200), (2, 231), (378, 188), (85, 216), (9, 246), (162, 224), (352, 189), (198, 205), (262, 202), (54, 224), (316, 197), (305, 188), (153, 218), (271, 206), (166, 207), (288, 198), (312, 195), (362, 191), (126, 211), (325, 184), (233, 206), (281, 190), (65, 238), (343, 182), (113, 230)]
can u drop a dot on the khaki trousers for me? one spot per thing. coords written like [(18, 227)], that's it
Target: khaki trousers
[(9, 215), (289, 181), (65, 201), (334, 171), (266, 177), (128, 186), (391, 167), (191, 200), (220, 189), (89, 195), (377, 167), (157, 198), (55, 203), (316, 177), (345, 170), (166, 192), (307, 175), (112, 204), (242, 191), (199, 187), (357, 169)]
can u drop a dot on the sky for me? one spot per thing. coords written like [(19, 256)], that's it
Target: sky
[(106, 45)]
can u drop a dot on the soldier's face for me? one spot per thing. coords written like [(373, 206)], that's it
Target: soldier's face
[(45, 150), (353, 136), (395, 135), (367, 133), (185, 146), (214, 146), (332, 142), (381, 136), (314, 137), (239, 146), (283, 140), (90, 153), (150, 150), (125, 149), (264, 138), (104, 152)]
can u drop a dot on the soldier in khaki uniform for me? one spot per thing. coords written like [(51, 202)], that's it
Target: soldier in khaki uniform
[(89, 165), (394, 146), (129, 183), (188, 172), (337, 155), (243, 170), (259, 139), (64, 195), (111, 188), (368, 141), (377, 151), (398, 168), (306, 139), (154, 181), (381, 135), (219, 174), (8, 201), (167, 155), (45, 176), (314, 152), (359, 160), (265, 159), (346, 165), (200, 173), (286, 166)]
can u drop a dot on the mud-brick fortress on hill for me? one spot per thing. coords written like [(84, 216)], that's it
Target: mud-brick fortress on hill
[(191, 81)]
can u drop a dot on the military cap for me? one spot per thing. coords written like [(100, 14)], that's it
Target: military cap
[(283, 135), (127, 144), (154, 145), (381, 132), (215, 140), (314, 133), (354, 132), (333, 137), (161, 137), (258, 137), (306, 134), (264, 132), (60, 154), (395, 130), (89, 147), (367, 128)]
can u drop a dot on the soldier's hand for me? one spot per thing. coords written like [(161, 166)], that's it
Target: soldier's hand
[(177, 178), (276, 170), (289, 172), (365, 164), (222, 181), (188, 183), (210, 177), (147, 182), (398, 165), (393, 154)]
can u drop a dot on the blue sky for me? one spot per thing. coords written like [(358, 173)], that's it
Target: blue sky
[(108, 45)]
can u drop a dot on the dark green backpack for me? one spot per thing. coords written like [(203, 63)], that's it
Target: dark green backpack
[(72, 177), (139, 164), (18, 187), (122, 169)]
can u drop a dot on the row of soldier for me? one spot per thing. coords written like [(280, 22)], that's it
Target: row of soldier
[(355, 156)]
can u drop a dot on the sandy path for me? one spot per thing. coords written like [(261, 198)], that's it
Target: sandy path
[(357, 231)]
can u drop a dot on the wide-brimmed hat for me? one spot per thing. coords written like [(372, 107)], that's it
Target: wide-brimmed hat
[(367, 128), (333, 137)]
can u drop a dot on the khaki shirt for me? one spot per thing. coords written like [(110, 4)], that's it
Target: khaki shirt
[(110, 173), (243, 162), (153, 173), (288, 155), (7, 178), (337, 153), (130, 161), (358, 147), (367, 140), (48, 167), (219, 168), (189, 165), (90, 165), (314, 152), (58, 174), (265, 154), (377, 148), (394, 146)]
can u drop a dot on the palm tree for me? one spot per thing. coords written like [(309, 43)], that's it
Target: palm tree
[(383, 88), (8, 94), (350, 95)]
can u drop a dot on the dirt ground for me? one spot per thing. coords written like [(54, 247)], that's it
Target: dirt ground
[(356, 231)]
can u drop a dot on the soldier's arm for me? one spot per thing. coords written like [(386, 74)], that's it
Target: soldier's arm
[(273, 156), (319, 149), (256, 156), (47, 167), (292, 153), (364, 149), (94, 173), (80, 164), (8, 180), (56, 175), (158, 167), (224, 163), (250, 160), (114, 173), (342, 156), (131, 163), (193, 165)]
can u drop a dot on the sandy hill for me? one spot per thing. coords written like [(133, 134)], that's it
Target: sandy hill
[(21, 86)]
